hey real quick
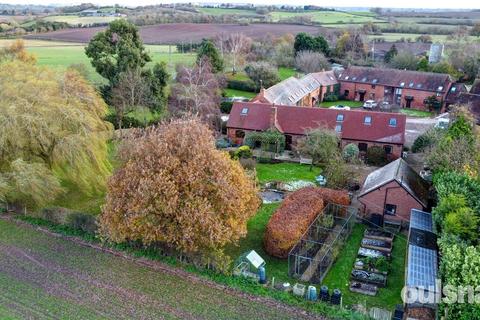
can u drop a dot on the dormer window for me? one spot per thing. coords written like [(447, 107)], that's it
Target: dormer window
[(392, 122), (368, 120), (244, 111), (339, 117)]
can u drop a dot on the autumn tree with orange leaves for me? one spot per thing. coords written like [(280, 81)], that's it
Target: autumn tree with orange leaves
[(174, 188)]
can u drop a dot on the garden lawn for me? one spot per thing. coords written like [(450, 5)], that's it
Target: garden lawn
[(239, 93), (275, 267), (348, 103), (286, 172), (416, 113), (285, 73), (339, 274)]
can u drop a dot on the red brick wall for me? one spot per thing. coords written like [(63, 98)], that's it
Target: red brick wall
[(396, 148), (378, 93), (391, 193)]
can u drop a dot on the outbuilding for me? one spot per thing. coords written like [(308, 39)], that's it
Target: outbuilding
[(393, 191)]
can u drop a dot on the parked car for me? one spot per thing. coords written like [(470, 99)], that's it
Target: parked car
[(385, 105), (369, 104), (340, 107)]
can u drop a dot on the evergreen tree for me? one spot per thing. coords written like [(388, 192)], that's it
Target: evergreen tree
[(390, 54), (207, 49)]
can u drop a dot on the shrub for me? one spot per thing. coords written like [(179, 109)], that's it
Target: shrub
[(330, 97), (82, 221), (127, 121), (297, 212), (243, 152), (270, 140), (243, 85), (248, 164), (426, 140), (226, 107), (350, 152), (222, 143), (262, 74), (376, 156)]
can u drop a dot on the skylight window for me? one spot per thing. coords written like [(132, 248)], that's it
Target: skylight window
[(419, 85), (393, 122), (245, 111), (346, 77), (354, 78), (440, 88), (339, 117), (367, 120), (411, 84), (453, 89), (338, 128), (402, 84), (374, 80), (364, 79)]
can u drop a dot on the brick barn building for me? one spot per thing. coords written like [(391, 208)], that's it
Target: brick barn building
[(364, 128), (393, 191), (304, 92), (407, 89)]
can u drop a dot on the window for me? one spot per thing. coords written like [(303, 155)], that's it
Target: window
[(346, 77), (339, 117), (388, 149), (367, 120), (240, 134), (392, 122), (362, 147), (374, 80), (402, 84), (440, 88), (338, 128), (411, 85), (354, 78), (364, 79), (390, 209), (453, 89), (346, 93), (373, 86), (419, 86), (244, 111)]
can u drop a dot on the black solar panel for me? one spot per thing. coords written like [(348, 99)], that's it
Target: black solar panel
[(422, 267), (421, 220)]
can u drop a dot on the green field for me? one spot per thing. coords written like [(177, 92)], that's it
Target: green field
[(56, 55), (412, 36), (225, 11), (326, 17), (44, 277), (77, 20)]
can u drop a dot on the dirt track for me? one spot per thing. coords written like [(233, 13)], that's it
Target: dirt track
[(48, 277), (174, 33)]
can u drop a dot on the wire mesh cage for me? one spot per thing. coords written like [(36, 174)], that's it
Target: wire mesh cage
[(313, 255)]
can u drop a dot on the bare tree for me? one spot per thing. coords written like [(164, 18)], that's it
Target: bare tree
[(309, 61), (196, 92), (129, 93)]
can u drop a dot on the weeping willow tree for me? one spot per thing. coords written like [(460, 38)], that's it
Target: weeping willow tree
[(51, 133)]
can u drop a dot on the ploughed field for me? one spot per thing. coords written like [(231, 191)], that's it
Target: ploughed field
[(175, 33), (44, 277)]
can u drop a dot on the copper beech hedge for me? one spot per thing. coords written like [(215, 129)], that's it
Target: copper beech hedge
[(297, 212)]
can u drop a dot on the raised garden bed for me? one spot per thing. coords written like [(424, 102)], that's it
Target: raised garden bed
[(361, 265), (363, 288), (378, 235), (376, 244), (372, 253), (376, 279)]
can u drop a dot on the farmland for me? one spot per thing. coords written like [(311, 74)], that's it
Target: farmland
[(77, 20), (63, 54), (44, 277), (175, 33), (325, 17)]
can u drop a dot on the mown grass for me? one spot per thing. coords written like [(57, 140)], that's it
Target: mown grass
[(339, 274), (416, 113), (286, 172), (325, 17), (239, 93), (347, 103)]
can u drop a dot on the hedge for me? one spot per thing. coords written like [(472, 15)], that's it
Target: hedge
[(77, 220), (243, 85), (297, 212)]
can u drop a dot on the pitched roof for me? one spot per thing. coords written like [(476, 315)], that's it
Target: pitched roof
[(455, 90), (426, 81), (298, 120), (291, 90), (403, 174)]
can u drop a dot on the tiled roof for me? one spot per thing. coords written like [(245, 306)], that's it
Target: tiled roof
[(298, 120), (427, 81), (401, 172), (291, 90)]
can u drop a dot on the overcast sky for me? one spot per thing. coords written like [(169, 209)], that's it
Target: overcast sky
[(450, 4)]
